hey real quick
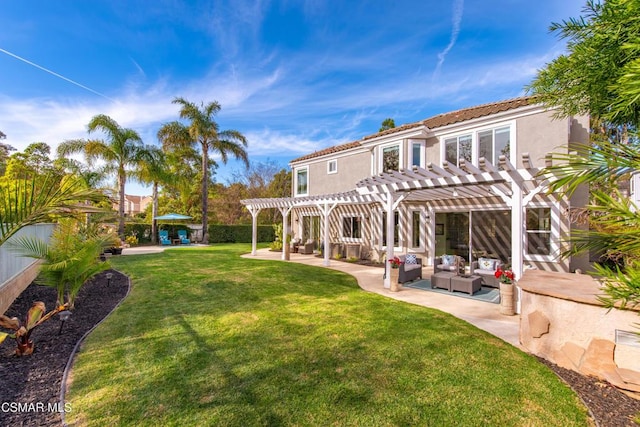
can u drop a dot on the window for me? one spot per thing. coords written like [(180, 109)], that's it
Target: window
[(494, 143), (490, 144), (352, 227), (302, 182), (415, 229), (416, 154), (391, 158), (539, 231), (332, 166), (458, 148), (396, 234)]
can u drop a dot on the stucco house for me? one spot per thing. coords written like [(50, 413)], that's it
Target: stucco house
[(464, 183)]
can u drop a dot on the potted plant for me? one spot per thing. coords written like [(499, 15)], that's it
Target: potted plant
[(507, 280), (395, 264)]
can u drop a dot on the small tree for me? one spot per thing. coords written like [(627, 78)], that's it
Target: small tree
[(387, 124)]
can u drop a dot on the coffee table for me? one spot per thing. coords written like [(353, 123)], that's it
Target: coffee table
[(442, 280), (468, 284)]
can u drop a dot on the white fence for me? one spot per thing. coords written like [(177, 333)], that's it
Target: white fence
[(11, 262)]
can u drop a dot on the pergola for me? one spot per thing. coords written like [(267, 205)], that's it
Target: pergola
[(516, 187)]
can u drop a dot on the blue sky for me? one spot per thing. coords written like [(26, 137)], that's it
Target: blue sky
[(293, 76)]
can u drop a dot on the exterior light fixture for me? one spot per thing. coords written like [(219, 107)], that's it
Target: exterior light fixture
[(64, 316), (109, 277)]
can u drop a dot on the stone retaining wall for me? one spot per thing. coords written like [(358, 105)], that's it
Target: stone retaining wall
[(562, 321)]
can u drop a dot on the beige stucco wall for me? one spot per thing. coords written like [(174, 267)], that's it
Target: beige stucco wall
[(562, 321), (539, 134), (351, 169)]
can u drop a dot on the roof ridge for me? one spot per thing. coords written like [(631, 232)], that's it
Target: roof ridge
[(439, 120)]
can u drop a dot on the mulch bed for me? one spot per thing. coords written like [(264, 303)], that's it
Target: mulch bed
[(37, 378)]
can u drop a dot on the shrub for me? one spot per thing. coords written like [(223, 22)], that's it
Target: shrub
[(238, 233)]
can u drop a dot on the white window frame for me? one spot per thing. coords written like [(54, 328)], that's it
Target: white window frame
[(381, 149), (554, 235), (421, 162), (421, 234), (475, 141), (348, 239), (383, 242), (295, 184), (333, 162)]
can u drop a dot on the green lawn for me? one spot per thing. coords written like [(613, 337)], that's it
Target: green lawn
[(209, 338)]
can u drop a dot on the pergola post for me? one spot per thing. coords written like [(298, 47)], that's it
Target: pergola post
[(325, 210), (254, 230), (517, 234), (391, 204), (285, 230)]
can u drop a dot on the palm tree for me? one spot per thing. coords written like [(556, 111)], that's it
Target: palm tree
[(122, 149), (613, 220), (25, 202), (153, 170), (203, 131)]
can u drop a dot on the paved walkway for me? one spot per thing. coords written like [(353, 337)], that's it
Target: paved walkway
[(484, 315)]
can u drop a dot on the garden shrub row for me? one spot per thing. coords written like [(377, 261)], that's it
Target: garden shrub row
[(239, 233)]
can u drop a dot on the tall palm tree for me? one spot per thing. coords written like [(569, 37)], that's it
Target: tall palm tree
[(153, 170), (122, 150), (203, 130)]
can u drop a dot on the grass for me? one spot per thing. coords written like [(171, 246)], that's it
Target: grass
[(209, 338)]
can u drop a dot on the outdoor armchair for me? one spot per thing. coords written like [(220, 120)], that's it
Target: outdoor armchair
[(164, 237), (410, 269), (182, 235)]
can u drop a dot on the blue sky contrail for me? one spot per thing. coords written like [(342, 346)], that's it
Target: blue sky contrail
[(458, 8), (55, 74)]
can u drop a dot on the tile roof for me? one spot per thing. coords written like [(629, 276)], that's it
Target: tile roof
[(433, 123), (330, 150)]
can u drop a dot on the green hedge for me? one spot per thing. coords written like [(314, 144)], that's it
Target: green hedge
[(239, 233), (141, 231)]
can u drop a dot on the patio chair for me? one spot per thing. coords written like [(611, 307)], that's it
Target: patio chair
[(164, 237), (307, 248), (486, 268), (182, 235), (410, 269)]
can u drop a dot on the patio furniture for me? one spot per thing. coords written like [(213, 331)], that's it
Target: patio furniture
[(486, 269), (442, 280), (410, 269), (468, 284), (164, 237), (446, 263), (182, 235), (307, 248)]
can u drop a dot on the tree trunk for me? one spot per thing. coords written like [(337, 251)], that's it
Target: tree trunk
[(205, 192), (154, 213), (121, 181)]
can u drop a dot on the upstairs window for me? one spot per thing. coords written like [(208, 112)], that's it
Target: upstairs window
[(494, 143), (391, 158), (302, 182), (417, 154), (488, 143), (332, 166), (458, 147)]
